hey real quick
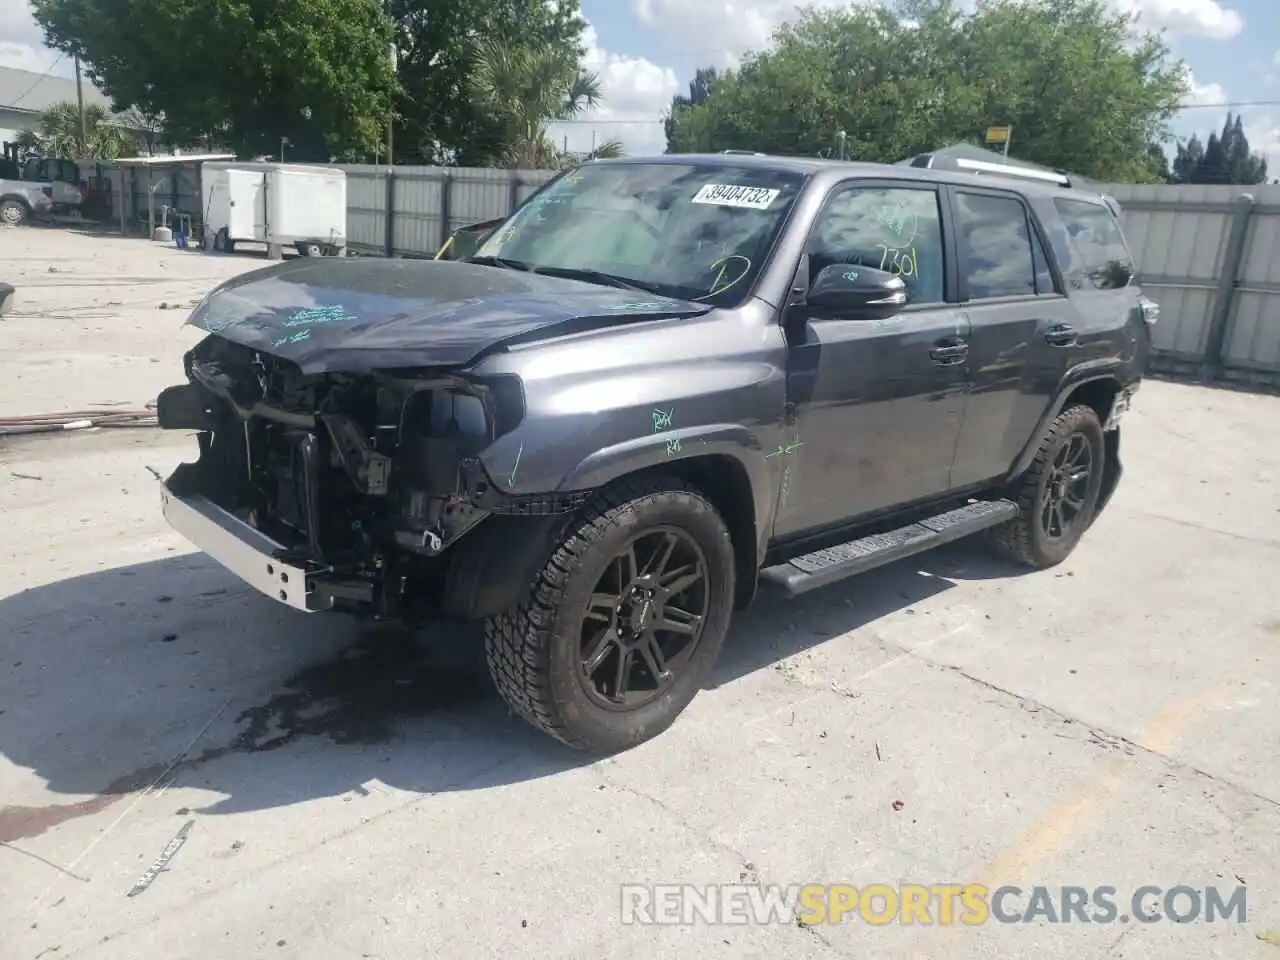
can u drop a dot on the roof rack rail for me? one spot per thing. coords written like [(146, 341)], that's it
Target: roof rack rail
[(745, 153), (942, 161)]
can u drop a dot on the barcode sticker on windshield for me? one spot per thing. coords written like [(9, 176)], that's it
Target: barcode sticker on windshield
[(728, 195)]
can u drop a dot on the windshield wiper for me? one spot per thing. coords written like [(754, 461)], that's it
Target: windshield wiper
[(606, 279), (500, 262)]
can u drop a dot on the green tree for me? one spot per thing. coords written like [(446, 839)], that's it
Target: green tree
[(1187, 160), (1159, 162), (700, 89), (524, 89), (59, 135), (246, 72), (437, 44), (1225, 158), (1080, 88)]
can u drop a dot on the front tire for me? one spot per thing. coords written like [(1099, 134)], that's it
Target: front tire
[(13, 213), (1058, 495), (625, 621)]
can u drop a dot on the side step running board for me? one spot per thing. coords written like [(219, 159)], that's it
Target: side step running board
[(817, 569)]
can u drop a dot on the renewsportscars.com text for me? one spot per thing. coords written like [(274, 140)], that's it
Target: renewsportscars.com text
[(939, 904)]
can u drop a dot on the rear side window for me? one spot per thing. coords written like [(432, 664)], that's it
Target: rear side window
[(997, 258), (1097, 240)]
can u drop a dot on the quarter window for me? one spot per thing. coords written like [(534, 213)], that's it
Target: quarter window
[(997, 256), (1097, 240), (897, 229)]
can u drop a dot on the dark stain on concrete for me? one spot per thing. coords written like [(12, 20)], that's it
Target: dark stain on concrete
[(357, 698), (19, 823)]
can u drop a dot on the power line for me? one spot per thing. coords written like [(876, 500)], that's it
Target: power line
[(1230, 106), (39, 80)]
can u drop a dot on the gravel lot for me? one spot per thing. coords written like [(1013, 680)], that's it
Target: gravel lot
[(350, 794)]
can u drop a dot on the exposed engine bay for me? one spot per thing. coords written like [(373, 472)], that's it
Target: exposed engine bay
[(366, 480)]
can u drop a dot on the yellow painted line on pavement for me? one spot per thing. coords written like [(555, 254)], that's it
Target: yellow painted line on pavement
[(1060, 823)]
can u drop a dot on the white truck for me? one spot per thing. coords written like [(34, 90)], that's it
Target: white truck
[(277, 204), (22, 199)]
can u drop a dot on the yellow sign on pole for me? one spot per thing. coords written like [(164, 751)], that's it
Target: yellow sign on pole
[(998, 134)]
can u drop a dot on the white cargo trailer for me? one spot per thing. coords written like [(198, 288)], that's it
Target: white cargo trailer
[(279, 204)]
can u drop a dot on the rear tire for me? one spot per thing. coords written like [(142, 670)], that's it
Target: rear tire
[(1058, 495), (592, 616), (310, 250)]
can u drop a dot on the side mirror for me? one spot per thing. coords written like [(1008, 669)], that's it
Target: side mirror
[(864, 293), (465, 241)]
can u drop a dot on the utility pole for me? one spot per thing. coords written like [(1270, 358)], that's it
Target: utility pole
[(391, 111), (391, 108), (84, 128)]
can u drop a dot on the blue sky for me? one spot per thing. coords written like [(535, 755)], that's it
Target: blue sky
[(647, 50)]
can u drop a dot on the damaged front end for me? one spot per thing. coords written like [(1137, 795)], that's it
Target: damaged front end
[(362, 493)]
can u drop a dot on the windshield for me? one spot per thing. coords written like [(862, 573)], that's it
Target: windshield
[(695, 231)]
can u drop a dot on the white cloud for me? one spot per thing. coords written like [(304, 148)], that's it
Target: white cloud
[(1204, 95), (732, 27), (1263, 131), (635, 94), (22, 44), (1188, 18), (24, 56), (742, 25)]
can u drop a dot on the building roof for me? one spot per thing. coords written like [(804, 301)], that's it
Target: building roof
[(30, 92), (176, 160)]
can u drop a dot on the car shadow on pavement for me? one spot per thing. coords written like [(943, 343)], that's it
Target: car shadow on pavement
[(173, 672), (777, 627)]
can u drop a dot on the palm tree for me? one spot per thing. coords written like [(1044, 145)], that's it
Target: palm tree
[(59, 135), (609, 150), (530, 88)]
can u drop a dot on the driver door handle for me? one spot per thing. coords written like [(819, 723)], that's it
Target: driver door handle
[(949, 351), (1061, 335)]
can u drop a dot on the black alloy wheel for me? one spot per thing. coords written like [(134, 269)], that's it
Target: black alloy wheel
[(1057, 495), (644, 620), (623, 625), (1066, 498)]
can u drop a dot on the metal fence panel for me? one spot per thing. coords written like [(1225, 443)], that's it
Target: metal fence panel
[(428, 203), (1252, 340), (1178, 236), (1208, 254), (416, 214), (366, 206)]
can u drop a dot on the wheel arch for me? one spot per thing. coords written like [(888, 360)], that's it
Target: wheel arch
[(724, 461), (1096, 391), (723, 479), (495, 562)]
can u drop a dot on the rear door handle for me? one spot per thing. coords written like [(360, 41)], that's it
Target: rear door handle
[(949, 351), (1061, 335)]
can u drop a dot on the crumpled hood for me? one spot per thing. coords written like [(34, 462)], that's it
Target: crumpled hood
[(362, 315)]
